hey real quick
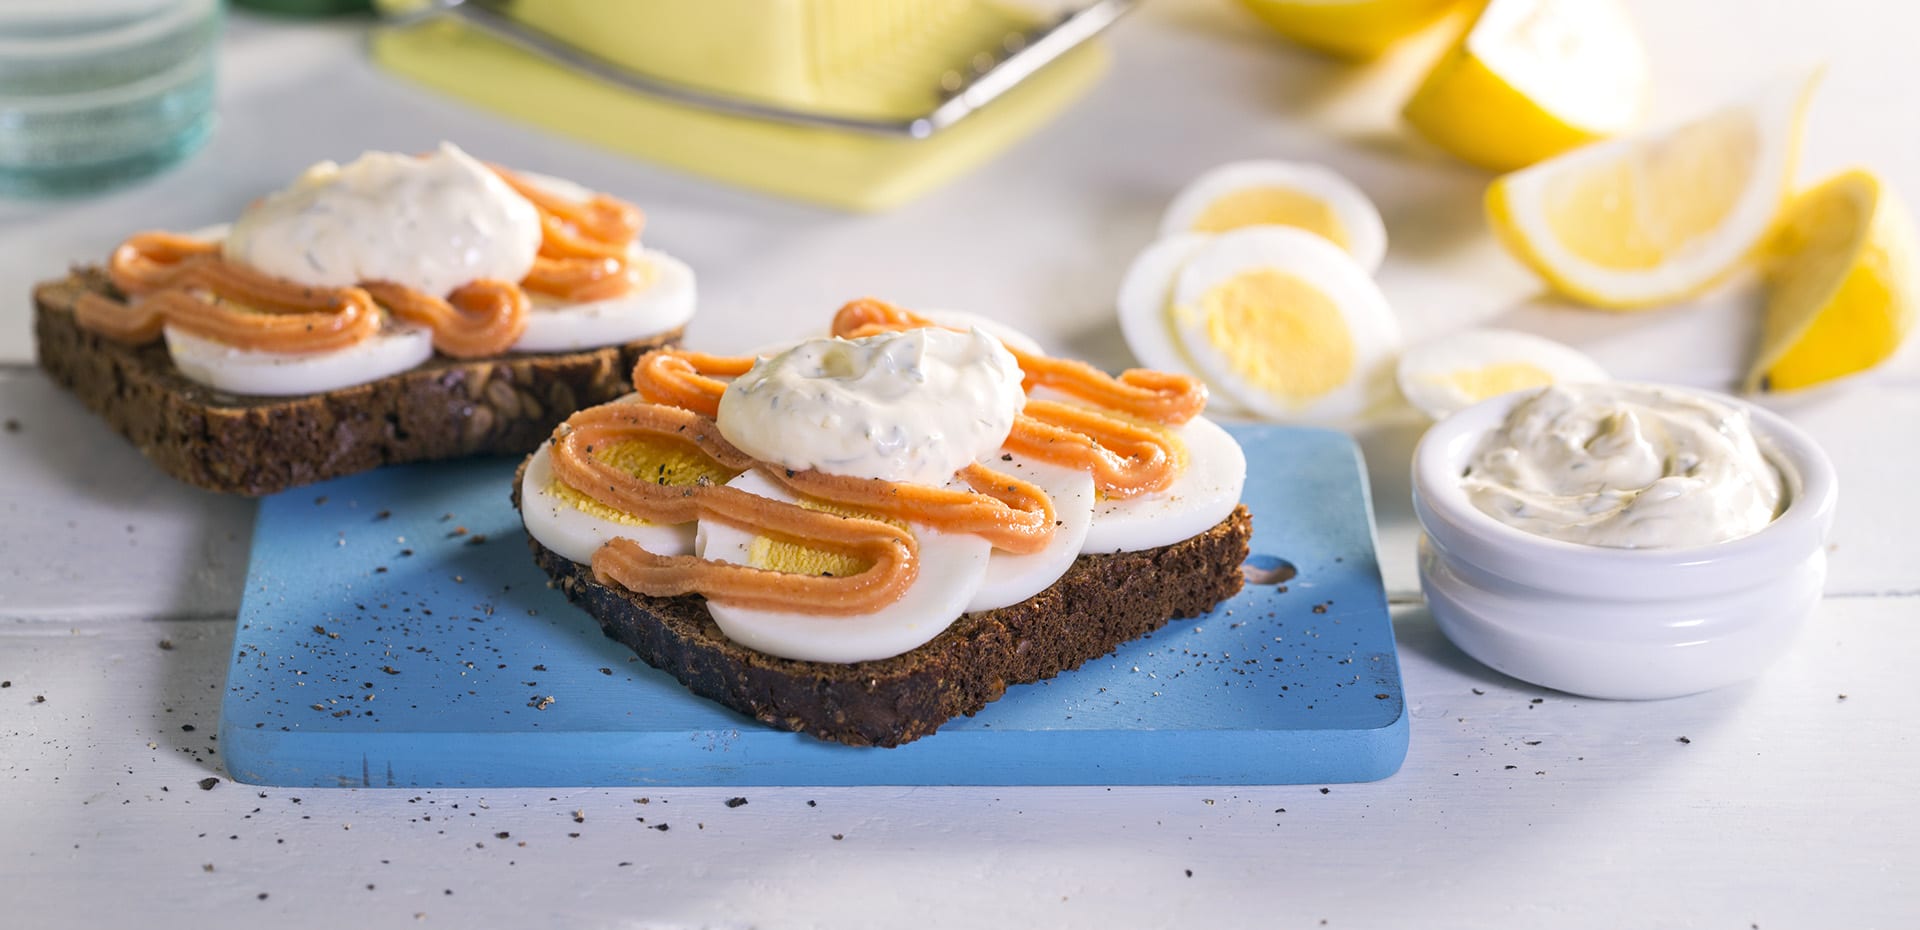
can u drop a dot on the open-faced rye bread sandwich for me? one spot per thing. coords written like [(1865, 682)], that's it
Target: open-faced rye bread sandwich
[(398, 308), (861, 537)]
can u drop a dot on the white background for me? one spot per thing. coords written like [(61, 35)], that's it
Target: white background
[(1789, 805)]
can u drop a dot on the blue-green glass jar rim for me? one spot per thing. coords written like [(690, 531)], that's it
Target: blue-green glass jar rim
[(163, 16)]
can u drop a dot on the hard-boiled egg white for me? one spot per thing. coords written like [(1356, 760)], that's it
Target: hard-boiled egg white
[(1204, 494), (575, 525), (663, 300), (1278, 193), (951, 567), (1012, 578), (1465, 368), (1284, 323), (1008, 335), (396, 348)]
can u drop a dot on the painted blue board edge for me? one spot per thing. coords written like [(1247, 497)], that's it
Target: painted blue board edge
[(313, 554)]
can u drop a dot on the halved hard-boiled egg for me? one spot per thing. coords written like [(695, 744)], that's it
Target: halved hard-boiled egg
[(1465, 368), (1278, 193), (1276, 319), (951, 568), (575, 525)]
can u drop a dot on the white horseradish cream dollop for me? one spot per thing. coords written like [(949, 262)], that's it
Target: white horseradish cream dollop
[(1626, 466), (914, 406), (432, 223)]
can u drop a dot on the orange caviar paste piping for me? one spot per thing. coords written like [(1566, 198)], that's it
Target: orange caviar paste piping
[(172, 271), (181, 281), (681, 391), (893, 552)]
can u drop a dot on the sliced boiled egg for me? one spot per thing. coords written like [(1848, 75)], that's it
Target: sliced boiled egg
[(1012, 578), (394, 349), (1465, 368), (664, 299), (575, 525), (1276, 319), (951, 568), (1204, 494), (1279, 193), (1009, 336)]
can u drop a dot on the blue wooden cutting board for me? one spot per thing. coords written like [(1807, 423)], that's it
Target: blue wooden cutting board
[(395, 632)]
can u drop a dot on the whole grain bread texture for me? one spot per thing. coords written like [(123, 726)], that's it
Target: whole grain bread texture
[(444, 408), (1101, 602)]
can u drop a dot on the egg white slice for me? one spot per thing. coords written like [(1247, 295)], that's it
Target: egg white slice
[(1146, 310), (558, 525), (1008, 335), (1265, 193), (951, 569), (1013, 578), (394, 349), (664, 301), (1204, 494), (1457, 371), (1299, 331)]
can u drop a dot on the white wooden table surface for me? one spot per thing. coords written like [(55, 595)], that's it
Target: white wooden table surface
[(1789, 803)]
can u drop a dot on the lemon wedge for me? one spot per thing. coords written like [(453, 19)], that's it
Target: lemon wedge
[(1357, 29), (1643, 220), (1531, 79), (1842, 282)]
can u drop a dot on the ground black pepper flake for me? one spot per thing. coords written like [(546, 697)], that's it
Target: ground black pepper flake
[(208, 783), (39, 699), (187, 728), (1682, 740), (736, 802), (1478, 691), (660, 827), (1538, 701), (1325, 791), (579, 816), (606, 671), (839, 836), (263, 896), (382, 515), (813, 803), (6, 684), (13, 425), (166, 645)]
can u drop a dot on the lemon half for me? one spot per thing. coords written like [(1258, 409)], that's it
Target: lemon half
[(1358, 29), (1531, 79), (1648, 219), (1842, 283)]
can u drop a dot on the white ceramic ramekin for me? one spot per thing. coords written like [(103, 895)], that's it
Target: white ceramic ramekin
[(1619, 623)]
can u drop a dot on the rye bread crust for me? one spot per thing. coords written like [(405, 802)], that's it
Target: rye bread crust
[(1101, 602), (444, 408)]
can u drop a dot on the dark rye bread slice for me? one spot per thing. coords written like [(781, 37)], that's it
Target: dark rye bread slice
[(444, 408), (1101, 602)]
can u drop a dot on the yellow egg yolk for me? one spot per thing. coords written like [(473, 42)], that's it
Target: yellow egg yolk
[(783, 556), (1272, 206), (1478, 384), (1649, 204), (659, 462), (1280, 334)]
